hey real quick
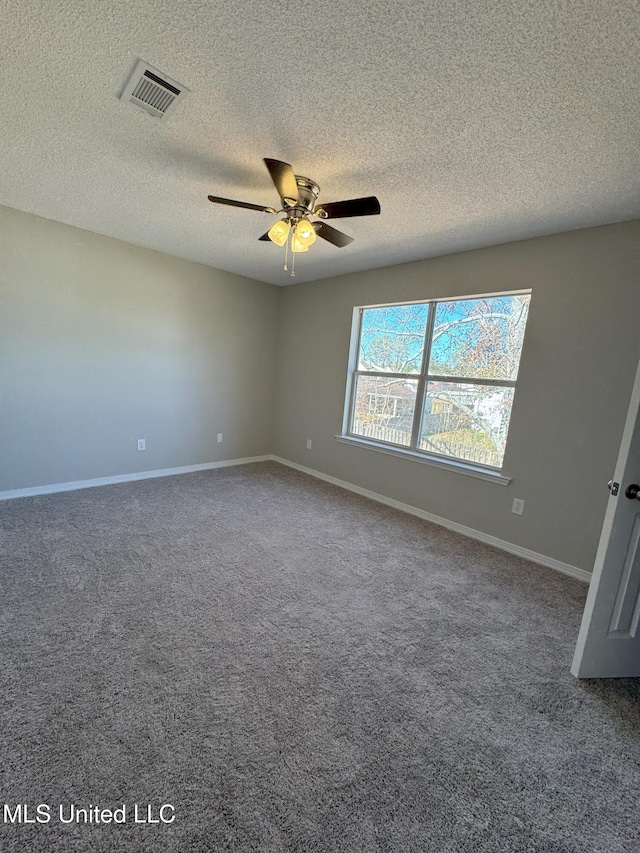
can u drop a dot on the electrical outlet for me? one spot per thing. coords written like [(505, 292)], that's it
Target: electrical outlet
[(309, 442), (142, 444), (517, 506), (219, 438)]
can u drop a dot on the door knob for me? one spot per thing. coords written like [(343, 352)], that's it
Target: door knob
[(633, 492)]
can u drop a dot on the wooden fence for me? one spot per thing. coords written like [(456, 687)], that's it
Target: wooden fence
[(481, 455)]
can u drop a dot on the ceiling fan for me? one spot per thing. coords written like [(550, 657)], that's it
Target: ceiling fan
[(298, 197)]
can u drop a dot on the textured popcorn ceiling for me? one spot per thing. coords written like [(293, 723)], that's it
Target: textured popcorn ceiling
[(474, 123)]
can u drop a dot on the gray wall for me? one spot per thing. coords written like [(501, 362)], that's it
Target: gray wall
[(102, 342), (579, 358)]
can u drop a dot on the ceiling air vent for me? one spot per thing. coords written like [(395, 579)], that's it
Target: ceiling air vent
[(152, 91)]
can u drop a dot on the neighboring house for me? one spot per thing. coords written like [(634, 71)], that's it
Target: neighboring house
[(389, 404)]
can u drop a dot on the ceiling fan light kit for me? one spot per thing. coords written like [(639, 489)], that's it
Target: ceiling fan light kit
[(279, 232), (297, 245), (299, 196), (305, 233)]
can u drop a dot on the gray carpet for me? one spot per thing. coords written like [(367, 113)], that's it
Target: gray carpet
[(295, 668)]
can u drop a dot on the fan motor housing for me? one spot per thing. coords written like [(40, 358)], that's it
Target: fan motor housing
[(308, 192)]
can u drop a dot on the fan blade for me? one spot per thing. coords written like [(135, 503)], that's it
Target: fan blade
[(369, 206), (246, 204), (265, 237), (284, 179), (332, 234)]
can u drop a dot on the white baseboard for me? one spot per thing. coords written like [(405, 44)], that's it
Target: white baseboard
[(517, 550), (127, 478)]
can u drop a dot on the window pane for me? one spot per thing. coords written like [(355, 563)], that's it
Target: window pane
[(384, 409), (466, 421), (479, 338), (392, 338)]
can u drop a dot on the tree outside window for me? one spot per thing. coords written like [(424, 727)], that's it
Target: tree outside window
[(439, 377)]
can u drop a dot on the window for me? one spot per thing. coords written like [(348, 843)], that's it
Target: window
[(437, 378)]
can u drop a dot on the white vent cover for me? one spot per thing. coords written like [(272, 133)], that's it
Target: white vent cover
[(153, 91)]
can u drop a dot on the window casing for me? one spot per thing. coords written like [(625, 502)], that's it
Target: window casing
[(437, 378)]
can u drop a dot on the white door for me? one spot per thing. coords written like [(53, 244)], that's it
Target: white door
[(609, 640)]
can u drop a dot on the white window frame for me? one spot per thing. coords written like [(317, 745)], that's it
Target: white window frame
[(423, 377)]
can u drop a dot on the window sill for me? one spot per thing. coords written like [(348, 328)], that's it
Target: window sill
[(456, 466)]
